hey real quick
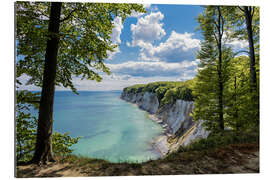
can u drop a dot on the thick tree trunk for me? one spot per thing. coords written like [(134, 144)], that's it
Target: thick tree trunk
[(248, 17), (43, 149)]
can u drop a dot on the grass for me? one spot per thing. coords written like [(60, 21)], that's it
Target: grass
[(216, 141), (184, 154), (230, 152)]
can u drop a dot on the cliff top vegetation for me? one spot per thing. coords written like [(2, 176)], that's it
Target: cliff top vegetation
[(166, 91)]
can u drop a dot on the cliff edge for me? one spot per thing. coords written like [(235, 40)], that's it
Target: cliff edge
[(179, 129)]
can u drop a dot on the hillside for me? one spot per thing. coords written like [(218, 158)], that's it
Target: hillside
[(237, 158)]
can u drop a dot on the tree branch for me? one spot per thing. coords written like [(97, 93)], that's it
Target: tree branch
[(222, 22), (252, 12), (217, 41), (241, 9), (217, 26), (68, 16)]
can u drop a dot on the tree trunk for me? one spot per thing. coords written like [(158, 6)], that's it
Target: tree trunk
[(220, 80), (220, 95), (248, 17), (253, 78), (43, 149), (235, 114)]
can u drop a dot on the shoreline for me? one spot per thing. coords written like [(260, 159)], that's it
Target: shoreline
[(159, 143)]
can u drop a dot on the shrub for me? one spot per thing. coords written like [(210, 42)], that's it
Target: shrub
[(26, 127), (216, 140)]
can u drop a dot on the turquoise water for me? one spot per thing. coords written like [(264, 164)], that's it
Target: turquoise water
[(110, 128)]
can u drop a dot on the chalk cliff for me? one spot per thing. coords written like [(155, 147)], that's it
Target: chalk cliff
[(174, 118)]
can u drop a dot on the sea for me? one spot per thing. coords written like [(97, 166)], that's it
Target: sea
[(110, 128)]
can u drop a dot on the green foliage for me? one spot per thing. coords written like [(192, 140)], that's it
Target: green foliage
[(166, 92), (62, 143), (85, 39), (25, 124), (161, 91), (84, 44), (216, 140), (240, 110), (213, 69), (26, 129), (237, 24), (175, 93), (135, 88), (25, 135)]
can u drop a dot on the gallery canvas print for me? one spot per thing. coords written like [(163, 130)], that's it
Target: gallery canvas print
[(126, 89)]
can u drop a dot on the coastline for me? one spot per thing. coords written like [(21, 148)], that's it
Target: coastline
[(159, 143)]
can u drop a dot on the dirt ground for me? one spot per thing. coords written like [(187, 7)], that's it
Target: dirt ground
[(241, 158)]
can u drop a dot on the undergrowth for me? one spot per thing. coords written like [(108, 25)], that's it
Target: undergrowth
[(218, 140)]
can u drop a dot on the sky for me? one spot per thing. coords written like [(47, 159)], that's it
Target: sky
[(159, 45)]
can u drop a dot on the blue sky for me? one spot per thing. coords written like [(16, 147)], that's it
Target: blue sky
[(178, 18), (159, 45)]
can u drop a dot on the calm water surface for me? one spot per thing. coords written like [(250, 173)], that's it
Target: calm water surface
[(110, 128)]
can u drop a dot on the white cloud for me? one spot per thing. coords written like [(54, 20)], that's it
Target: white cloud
[(148, 28), (24, 79), (234, 43), (116, 31), (151, 69), (116, 82), (176, 48), (112, 54), (138, 14), (237, 44), (128, 44), (130, 73), (146, 6), (115, 36)]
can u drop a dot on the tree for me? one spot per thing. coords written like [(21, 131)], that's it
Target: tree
[(244, 22), (75, 38), (238, 107), (209, 91), (244, 25), (43, 150), (26, 129), (249, 12), (223, 77)]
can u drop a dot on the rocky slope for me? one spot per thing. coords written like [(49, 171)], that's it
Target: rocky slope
[(178, 126)]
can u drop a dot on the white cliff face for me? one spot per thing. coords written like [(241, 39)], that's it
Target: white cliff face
[(175, 118), (197, 133), (178, 116), (147, 101), (162, 145)]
